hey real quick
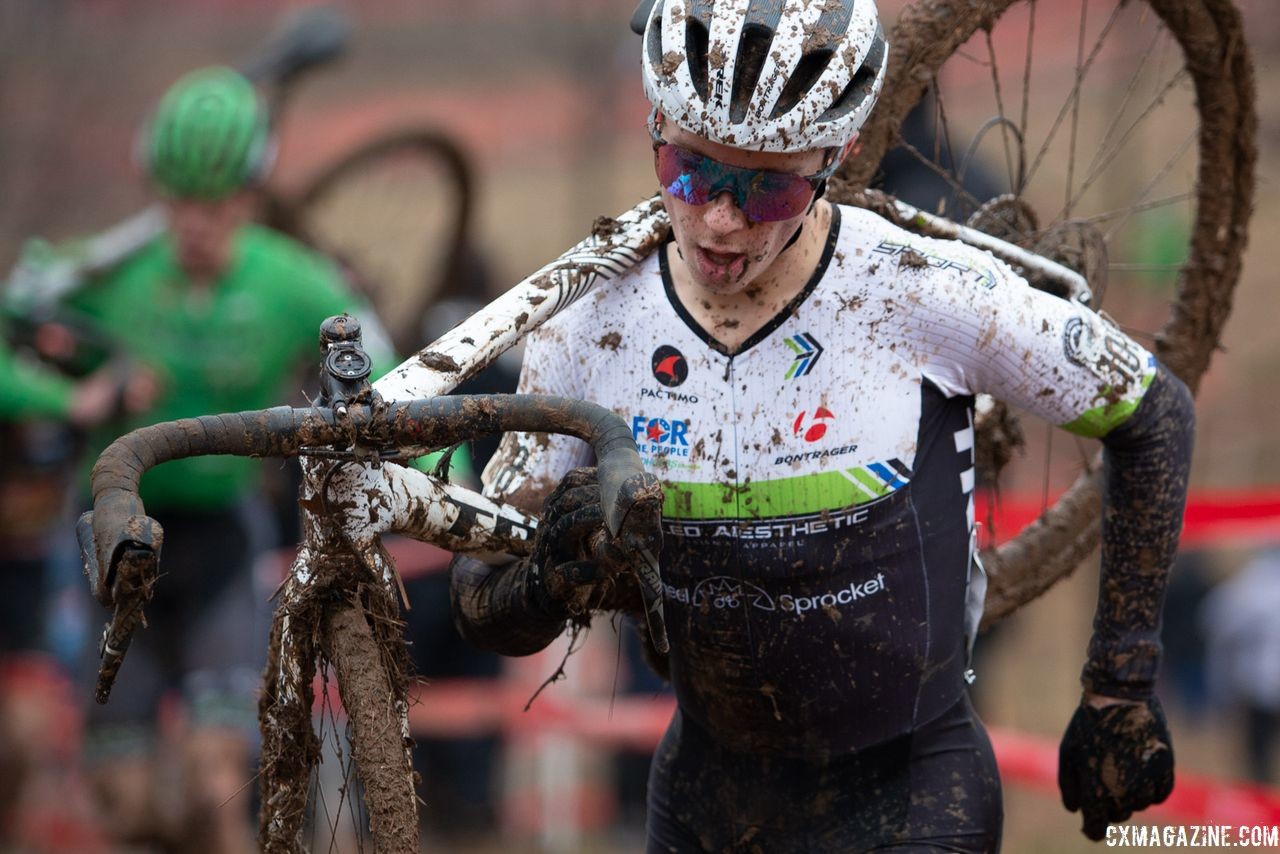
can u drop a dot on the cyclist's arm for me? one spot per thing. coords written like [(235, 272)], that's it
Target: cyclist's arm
[(1073, 368), (494, 606), (28, 391)]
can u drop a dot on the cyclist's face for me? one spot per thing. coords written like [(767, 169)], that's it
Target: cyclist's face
[(724, 251), (203, 231)]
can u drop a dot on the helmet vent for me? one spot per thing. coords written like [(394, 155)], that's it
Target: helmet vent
[(696, 38), (653, 45), (753, 49), (807, 72), (859, 88)]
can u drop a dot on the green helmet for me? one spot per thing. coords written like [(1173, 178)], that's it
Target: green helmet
[(209, 136)]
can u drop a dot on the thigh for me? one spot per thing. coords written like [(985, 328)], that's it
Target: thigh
[(223, 644), (22, 604), (703, 797), (934, 790), (956, 799)]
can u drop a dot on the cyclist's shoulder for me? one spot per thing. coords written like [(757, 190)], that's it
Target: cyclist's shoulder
[(138, 271), (282, 260), (870, 247), (869, 230)]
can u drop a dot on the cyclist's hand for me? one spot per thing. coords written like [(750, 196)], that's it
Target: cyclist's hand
[(110, 391), (141, 390), (96, 398), (1114, 760), (574, 569)]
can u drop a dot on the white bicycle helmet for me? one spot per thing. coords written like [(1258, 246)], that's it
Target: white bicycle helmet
[(765, 75)]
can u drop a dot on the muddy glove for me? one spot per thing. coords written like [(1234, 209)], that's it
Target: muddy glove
[(1113, 761), (573, 569), (519, 608)]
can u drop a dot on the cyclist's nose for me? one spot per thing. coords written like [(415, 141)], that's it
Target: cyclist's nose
[(722, 214)]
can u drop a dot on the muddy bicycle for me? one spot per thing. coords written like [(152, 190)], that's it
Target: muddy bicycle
[(355, 490)]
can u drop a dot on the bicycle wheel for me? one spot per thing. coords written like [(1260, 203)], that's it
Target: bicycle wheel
[(1164, 90), (396, 211)]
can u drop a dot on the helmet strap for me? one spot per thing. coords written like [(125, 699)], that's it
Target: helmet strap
[(818, 192)]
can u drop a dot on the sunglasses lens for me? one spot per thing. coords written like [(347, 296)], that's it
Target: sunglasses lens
[(777, 195), (683, 174), (762, 196)]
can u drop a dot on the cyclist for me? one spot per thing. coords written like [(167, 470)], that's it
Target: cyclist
[(801, 376), (218, 311)]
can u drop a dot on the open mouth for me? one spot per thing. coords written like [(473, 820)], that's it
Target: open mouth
[(721, 265)]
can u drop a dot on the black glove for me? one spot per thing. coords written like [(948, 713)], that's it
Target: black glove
[(1113, 761), (574, 568)]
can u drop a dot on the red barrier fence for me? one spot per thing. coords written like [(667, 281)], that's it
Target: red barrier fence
[(1213, 516)]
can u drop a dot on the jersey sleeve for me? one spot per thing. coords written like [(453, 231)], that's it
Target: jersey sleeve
[(986, 330), (992, 332), (527, 466), (31, 392)]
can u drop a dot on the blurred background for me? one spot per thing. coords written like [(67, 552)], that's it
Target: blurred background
[(540, 102)]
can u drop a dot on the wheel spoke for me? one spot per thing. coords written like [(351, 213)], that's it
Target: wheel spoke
[(1026, 93), (940, 172), (951, 157), (1048, 460), (1129, 92), (1086, 456), (1137, 208), (1114, 152), (1004, 129), (1081, 72), (1075, 107), (1151, 185), (1134, 332)]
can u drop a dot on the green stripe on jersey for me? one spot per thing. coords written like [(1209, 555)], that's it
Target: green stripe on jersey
[(1101, 420), (784, 496)]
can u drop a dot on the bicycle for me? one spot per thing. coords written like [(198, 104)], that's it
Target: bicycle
[(347, 505)]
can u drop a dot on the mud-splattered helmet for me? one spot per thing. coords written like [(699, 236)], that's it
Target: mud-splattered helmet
[(765, 75)]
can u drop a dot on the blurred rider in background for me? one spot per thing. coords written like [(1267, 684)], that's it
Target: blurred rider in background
[(214, 314)]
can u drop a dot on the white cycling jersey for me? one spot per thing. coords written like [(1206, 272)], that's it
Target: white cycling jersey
[(818, 517)]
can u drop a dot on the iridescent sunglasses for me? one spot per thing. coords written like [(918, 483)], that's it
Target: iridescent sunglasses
[(761, 195)]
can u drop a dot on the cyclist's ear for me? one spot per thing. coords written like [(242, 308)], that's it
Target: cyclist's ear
[(847, 148)]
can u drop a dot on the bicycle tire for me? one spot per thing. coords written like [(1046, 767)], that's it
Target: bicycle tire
[(1210, 35), (372, 666), (391, 168)]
